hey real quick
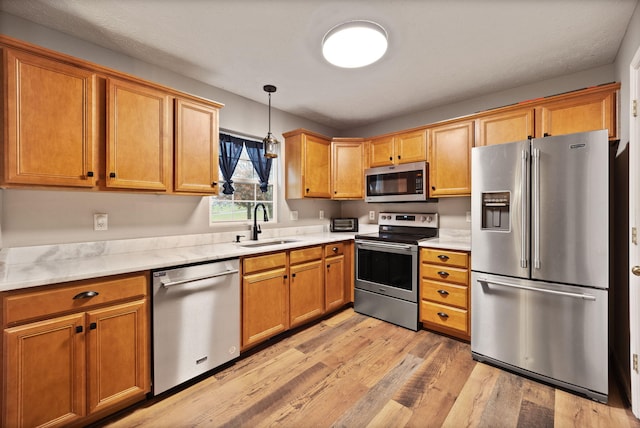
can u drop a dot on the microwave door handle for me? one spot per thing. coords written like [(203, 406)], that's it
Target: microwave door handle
[(524, 208)]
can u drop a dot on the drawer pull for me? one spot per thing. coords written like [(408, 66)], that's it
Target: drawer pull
[(85, 295), (443, 315), (443, 292), (443, 257), (443, 273), (334, 249)]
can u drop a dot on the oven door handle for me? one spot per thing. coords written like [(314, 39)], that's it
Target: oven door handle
[(383, 245)]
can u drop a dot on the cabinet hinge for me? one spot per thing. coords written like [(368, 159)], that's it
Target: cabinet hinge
[(634, 108), (635, 363), (634, 236)]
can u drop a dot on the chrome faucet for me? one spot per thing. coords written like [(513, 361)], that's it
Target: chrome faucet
[(256, 228)]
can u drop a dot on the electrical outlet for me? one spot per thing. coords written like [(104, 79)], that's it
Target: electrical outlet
[(321, 214), (293, 215), (100, 222), (372, 215)]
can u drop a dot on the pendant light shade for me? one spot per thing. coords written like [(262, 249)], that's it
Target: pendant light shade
[(270, 142)]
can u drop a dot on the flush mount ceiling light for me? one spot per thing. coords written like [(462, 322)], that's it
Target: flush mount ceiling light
[(354, 44), (270, 142)]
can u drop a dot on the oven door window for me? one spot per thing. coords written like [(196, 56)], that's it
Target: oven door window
[(391, 269)]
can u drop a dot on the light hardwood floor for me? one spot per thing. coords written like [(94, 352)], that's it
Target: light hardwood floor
[(354, 371)]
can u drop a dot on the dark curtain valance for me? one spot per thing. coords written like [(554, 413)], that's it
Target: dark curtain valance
[(230, 150)]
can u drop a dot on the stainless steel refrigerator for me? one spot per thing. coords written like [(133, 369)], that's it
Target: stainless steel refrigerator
[(540, 259)]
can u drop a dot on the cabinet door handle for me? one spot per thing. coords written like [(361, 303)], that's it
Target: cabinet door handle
[(398, 156), (433, 187), (443, 315), (293, 275), (328, 266), (79, 329), (90, 174), (285, 277), (443, 257), (443, 273), (307, 190), (390, 158), (214, 184), (93, 326), (85, 295), (443, 292), (112, 175)]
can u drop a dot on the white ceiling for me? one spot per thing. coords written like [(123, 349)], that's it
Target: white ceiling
[(440, 51)]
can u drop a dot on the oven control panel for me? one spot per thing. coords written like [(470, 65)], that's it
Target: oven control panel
[(408, 219)]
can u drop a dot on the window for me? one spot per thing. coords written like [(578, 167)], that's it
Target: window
[(239, 206)]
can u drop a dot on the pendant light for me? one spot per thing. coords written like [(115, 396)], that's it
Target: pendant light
[(270, 142)]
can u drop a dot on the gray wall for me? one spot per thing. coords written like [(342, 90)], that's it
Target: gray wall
[(32, 217)]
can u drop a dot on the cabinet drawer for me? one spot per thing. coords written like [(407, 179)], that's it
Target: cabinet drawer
[(266, 262), (334, 249), (446, 316), (441, 292), (445, 257), (445, 273), (50, 300), (305, 255)]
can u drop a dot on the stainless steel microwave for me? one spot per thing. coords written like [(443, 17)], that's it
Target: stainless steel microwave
[(407, 182)]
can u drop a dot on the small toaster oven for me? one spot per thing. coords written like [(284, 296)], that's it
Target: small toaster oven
[(344, 224)]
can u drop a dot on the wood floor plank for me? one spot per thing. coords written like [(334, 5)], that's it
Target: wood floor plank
[(393, 414), (434, 388), (505, 397), (470, 405), (375, 399)]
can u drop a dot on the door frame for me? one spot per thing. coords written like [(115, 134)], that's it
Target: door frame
[(634, 222)]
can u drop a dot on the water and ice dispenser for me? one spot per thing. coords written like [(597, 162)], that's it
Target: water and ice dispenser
[(496, 210)]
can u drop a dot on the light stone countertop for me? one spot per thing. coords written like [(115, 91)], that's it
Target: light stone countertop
[(450, 239), (24, 267)]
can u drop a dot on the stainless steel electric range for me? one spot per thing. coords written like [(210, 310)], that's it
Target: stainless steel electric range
[(386, 285)]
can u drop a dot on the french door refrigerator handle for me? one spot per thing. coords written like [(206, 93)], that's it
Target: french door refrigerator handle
[(524, 210), (535, 155), (541, 290)]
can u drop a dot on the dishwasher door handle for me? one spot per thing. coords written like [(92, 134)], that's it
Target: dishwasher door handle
[(186, 281)]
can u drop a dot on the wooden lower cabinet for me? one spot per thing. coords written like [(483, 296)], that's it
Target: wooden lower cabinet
[(287, 289), (75, 368), (445, 298), (306, 292)]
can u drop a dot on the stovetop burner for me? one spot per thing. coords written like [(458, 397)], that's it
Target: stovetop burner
[(406, 228)]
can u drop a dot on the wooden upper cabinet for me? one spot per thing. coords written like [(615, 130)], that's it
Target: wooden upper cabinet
[(49, 122), (347, 168), (400, 148), (588, 110), (308, 168), (381, 151), (505, 127), (196, 147), (410, 146), (450, 159), (138, 136)]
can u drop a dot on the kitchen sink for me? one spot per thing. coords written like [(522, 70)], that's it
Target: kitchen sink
[(267, 243)]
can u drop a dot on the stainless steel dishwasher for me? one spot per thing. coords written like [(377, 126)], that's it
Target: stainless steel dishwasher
[(196, 321)]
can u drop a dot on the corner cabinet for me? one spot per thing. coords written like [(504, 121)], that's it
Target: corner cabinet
[(76, 352), (308, 167), (138, 136), (50, 113), (450, 158), (287, 289), (347, 168)]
